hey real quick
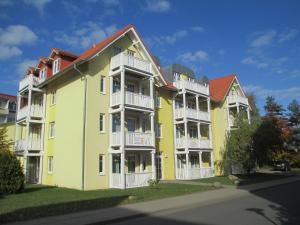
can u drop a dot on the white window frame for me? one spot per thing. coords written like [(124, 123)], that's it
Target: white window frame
[(53, 97), (158, 126), (51, 130), (157, 100), (43, 73), (56, 66), (102, 115), (102, 81), (103, 164), (50, 164)]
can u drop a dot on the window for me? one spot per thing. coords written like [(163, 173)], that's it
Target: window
[(117, 50), (56, 66), (130, 88), (43, 73), (53, 97), (12, 106), (157, 100), (101, 164), (116, 164), (131, 163), (116, 86), (50, 164), (158, 131), (101, 122), (51, 130), (102, 84), (116, 124)]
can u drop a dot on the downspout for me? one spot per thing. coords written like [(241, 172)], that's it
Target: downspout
[(84, 127)]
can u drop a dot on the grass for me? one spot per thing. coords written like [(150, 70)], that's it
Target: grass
[(244, 179), (40, 201)]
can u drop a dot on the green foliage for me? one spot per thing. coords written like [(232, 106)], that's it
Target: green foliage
[(239, 145), (294, 122), (153, 183), (11, 172), (272, 107)]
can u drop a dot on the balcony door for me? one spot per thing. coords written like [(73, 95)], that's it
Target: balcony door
[(131, 163), (131, 124), (130, 58)]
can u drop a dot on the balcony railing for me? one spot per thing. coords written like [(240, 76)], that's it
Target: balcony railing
[(124, 59), (29, 80), (33, 144), (132, 180), (192, 114), (192, 86), (132, 138), (35, 111), (194, 173), (193, 143), (237, 98), (132, 99)]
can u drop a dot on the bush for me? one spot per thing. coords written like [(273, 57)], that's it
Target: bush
[(11, 173), (153, 183)]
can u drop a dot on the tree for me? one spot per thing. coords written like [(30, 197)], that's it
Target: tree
[(273, 108), (11, 172), (239, 145), (252, 103)]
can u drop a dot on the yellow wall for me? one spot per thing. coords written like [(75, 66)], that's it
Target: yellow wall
[(165, 145), (11, 131)]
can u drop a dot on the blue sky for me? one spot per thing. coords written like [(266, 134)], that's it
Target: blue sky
[(257, 40)]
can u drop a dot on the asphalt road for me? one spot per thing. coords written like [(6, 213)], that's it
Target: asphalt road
[(275, 206)]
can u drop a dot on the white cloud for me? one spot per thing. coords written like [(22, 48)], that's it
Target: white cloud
[(12, 37), (17, 35), (85, 36), (23, 66), (197, 29), (261, 92), (287, 35), (7, 52), (262, 39), (38, 4), (157, 6), (200, 56), (221, 52)]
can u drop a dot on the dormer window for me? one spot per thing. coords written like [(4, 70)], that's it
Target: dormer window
[(56, 66), (43, 73)]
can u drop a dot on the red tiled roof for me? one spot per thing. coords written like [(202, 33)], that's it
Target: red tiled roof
[(65, 53), (9, 97), (220, 86)]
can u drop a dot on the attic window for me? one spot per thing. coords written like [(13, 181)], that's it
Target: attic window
[(43, 73), (56, 66)]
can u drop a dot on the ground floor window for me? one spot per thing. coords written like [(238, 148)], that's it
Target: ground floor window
[(50, 164), (194, 158), (116, 164), (101, 164), (131, 163)]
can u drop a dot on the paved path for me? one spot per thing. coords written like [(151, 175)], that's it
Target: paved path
[(124, 212)]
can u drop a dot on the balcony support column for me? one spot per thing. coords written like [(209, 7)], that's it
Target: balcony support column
[(151, 92), (110, 167), (199, 131), (208, 108), (212, 160), (40, 169), (122, 86), (152, 128), (153, 165), (123, 185), (185, 122), (210, 135), (238, 107), (110, 89), (122, 135), (197, 106), (187, 162)]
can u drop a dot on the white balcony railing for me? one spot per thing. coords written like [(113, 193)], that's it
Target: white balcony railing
[(192, 86), (29, 80), (133, 99), (123, 59), (237, 98), (194, 173), (192, 114), (35, 111), (132, 180), (193, 143), (138, 139), (33, 144), (115, 139)]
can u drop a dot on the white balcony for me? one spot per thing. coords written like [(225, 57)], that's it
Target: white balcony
[(29, 80), (138, 139), (132, 99), (192, 86), (33, 144), (36, 111), (132, 180), (124, 59), (233, 99), (192, 114), (132, 139), (193, 143), (194, 173)]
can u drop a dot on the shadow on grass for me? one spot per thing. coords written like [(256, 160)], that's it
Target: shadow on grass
[(61, 208)]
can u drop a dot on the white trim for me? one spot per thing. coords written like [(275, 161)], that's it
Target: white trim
[(56, 66)]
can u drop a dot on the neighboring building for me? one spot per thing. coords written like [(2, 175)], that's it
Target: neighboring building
[(111, 117), (7, 108)]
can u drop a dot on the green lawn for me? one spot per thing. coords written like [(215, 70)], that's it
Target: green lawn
[(40, 201), (245, 179)]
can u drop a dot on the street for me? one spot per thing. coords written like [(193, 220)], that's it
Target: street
[(279, 205)]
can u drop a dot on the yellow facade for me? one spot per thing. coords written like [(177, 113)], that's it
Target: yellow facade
[(11, 131)]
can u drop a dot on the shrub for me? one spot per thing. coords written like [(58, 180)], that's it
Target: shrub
[(11, 173), (153, 183)]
